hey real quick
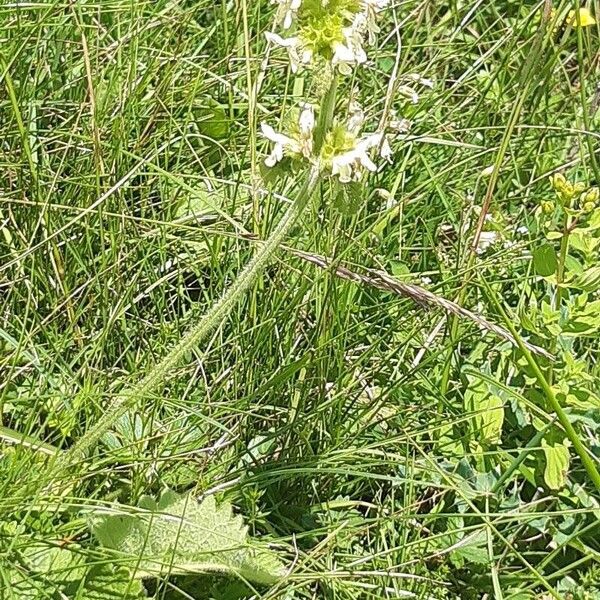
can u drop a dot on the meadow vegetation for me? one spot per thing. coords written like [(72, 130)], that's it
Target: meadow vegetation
[(299, 299)]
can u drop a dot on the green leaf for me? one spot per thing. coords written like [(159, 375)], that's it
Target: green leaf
[(585, 322), (213, 121), (589, 280), (178, 535), (349, 198), (488, 412), (471, 549), (544, 260), (52, 572), (557, 464), (107, 581)]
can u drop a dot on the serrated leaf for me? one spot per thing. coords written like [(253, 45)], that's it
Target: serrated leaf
[(557, 464), (53, 572), (180, 535), (544, 260), (108, 582)]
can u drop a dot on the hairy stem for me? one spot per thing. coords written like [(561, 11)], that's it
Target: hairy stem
[(325, 114), (219, 310)]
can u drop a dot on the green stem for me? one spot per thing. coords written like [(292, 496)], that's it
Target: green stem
[(217, 313), (560, 277), (325, 115), (546, 388), (220, 309)]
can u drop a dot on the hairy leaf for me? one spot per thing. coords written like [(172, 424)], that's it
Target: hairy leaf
[(179, 535), (54, 572)]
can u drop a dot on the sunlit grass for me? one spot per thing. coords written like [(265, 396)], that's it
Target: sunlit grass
[(331, 414)]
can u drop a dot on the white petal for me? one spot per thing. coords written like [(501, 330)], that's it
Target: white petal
[(342, 54), (273, 136), (369, 141), (367, 163), (386, 150), (307, 120), (342, 170), (290, 42), (407, 91), (275, 156), (307, 55)]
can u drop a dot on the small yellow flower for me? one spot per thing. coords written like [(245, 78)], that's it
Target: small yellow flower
[(585, 18)]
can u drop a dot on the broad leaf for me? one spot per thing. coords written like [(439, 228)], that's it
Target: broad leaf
[(544, 260), (53, 572), (589, 280), (488, 412), (178, 535), (557, 464), (471, 549)]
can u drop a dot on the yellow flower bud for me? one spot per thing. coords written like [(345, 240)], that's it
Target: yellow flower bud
[(558, 181), (547, 207), (592, 195), (578, 187), (569, 191), (588, 207)]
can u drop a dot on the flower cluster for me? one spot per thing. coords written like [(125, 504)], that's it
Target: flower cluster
[(575, 199), (344, 153), (298, 143), (332, 29)]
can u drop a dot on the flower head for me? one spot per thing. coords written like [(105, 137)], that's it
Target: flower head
[(585, 18), (350, 51), (347, 154), (299, 142), (332, 29)]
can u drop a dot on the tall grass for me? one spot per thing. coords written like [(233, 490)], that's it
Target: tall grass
[(331, 414)]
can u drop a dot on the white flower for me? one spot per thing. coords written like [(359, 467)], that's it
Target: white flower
[(371, 8), (350, 51), (349, 165), (522, 230), (486, 239), (420, 79), (298, 53), (300, 144), (286, 12), (409, 92)]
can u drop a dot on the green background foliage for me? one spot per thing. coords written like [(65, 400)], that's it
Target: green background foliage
[(378, 448)]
